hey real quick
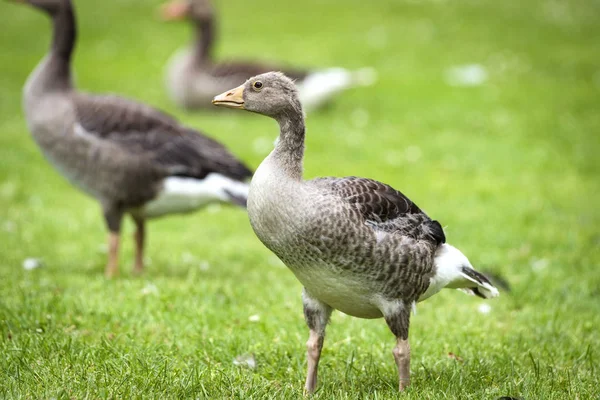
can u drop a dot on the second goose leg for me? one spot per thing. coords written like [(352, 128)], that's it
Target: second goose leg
[(113, 221), (398, 321), (140, 237), (316, 314)]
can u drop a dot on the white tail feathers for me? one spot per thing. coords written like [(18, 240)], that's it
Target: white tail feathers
[(181, 195), (454, 271), (320, 86), (482, 286)]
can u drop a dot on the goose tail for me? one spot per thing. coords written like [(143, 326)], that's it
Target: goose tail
[(480, 284), (454, 271), (184, 194), (320, 86)]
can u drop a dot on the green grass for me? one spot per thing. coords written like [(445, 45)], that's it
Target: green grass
[(510, 167)]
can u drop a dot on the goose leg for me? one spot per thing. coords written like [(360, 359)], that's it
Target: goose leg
[(139, 236), (398, 322), (316, 314), (113, 221)]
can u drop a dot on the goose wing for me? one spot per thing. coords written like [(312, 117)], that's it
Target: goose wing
[(384, 208), (143, 130)]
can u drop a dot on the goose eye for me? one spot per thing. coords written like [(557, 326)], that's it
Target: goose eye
[(257, 85)]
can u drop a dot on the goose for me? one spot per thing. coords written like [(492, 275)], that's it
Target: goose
[(193, 77), (355, 244), (132, 158)]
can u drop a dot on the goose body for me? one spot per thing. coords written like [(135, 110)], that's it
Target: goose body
[(357, 245), (193, 77), (131, 157)]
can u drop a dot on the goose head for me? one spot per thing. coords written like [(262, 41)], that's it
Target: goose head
[(272, 94), (51, 7), (195, 10)]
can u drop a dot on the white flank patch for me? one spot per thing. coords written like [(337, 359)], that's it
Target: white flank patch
[(320, 86), (181, 195)]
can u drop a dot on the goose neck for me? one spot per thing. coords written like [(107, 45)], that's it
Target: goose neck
[(64, 32), (205, 34), (289, 150), (54, 72)]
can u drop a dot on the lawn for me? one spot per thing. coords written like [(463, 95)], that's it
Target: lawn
[(510, 167)]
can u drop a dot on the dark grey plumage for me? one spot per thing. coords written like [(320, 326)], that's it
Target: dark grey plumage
[(123, 153), (356, 245)]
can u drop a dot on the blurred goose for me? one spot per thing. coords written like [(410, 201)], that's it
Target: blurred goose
[(132, 158), (356, 245), (193, 77)]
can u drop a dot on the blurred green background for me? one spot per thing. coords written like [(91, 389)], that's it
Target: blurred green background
[(508, 164)]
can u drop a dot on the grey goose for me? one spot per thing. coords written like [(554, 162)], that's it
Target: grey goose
[(356, 245), (132, 158), (193, 77)]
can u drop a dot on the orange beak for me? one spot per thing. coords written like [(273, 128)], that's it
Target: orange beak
[(233, 98), (175, 10)]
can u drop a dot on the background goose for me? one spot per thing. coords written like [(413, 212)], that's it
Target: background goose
[(193, 77), (355, 244), (132, 158)]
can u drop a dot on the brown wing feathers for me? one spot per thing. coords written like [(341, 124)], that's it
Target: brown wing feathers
[(143, 130), (385, 208)]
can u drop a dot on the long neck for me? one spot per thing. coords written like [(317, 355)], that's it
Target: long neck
[(289, 151), (205, 35), (56, 71), (65, 33)]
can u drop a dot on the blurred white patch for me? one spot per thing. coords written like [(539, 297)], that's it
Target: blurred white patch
[(539, 264), (102, 248), (35, 201), (377, 38), (8, 190), (213, 208), (189, 259), (149, 289), (393, 158), (204, 265), (484, 308), (360, 118), (254, 318), (9, 226), (245, 360), (413, 154), (30, 264), (466, 75), (262, 145)]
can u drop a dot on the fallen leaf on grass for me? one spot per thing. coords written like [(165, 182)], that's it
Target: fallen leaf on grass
[(455, 357)]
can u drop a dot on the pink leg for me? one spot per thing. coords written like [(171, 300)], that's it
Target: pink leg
[(112, 266), (316, 314), (139, 236)]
